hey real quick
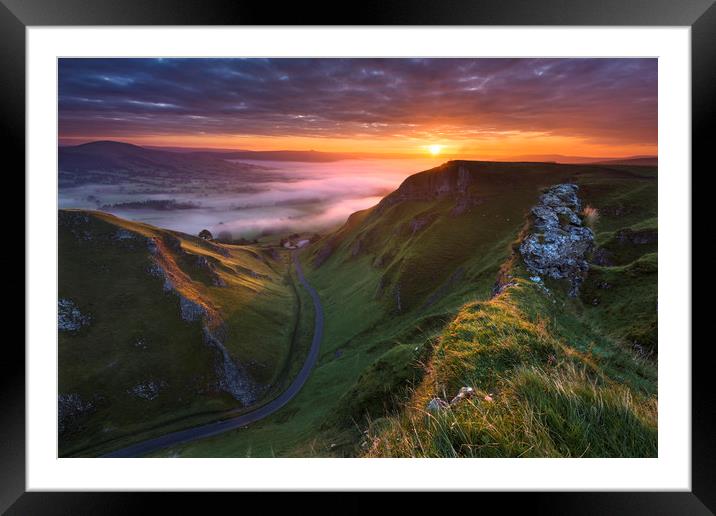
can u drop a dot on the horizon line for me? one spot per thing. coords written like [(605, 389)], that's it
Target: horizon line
[(357, 154)]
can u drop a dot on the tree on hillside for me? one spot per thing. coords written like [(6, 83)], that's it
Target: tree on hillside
[(205, 234)]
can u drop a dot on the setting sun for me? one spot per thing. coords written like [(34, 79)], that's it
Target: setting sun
[(435, 149)]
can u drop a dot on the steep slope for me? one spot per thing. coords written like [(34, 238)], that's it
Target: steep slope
[(397, 279), (445, 224), (534, 371), (525, 374), (160, 330), (520, 375)]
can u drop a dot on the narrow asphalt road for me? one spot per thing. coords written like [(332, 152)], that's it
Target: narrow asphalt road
[(200, 432)]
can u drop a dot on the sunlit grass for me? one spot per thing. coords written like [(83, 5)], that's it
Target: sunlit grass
[(535, 395)]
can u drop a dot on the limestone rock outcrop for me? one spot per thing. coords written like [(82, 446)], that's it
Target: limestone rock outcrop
[(558, 244)]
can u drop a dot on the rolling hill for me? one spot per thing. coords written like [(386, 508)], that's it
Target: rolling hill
[(111, 162), (160, 330), (644, 161)]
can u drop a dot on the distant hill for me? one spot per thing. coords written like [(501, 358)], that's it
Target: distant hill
[(576, 160), (110, 162), (113, 155), (646, 161), (287, 155), (309, 156)]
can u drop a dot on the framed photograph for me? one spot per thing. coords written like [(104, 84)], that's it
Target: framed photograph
[(421, 249)]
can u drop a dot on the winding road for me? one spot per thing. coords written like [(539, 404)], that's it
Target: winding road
[(211, 429)]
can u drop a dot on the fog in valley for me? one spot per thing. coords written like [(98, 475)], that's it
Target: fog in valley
[(296, 197)]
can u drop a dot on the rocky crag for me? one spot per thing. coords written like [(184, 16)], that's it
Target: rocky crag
[(558, 244), (164, 251), (231, 376)]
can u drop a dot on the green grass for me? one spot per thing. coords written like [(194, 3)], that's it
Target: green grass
[(379, 365), (538, 413), (624, 301), (537, 393), (621, 299), (374, 390), (568, 377), (137, 335)]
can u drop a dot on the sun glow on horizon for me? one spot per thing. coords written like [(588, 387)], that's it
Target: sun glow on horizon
[(520, 146), (435, 149)]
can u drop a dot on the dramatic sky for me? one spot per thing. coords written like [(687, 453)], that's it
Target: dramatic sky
[(471, 108)]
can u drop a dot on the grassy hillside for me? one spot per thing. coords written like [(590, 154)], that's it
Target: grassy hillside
[(163, 330), (407, 288), (544, 386), (552, 376)]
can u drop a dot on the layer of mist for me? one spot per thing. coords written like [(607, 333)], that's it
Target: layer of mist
[(306, 197)]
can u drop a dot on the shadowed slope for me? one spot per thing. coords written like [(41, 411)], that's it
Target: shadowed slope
[(160, 330)]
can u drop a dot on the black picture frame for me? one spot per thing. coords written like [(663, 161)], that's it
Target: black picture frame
[(700, 15)]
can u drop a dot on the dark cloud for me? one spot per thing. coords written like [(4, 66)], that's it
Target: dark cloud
[(602, 100)]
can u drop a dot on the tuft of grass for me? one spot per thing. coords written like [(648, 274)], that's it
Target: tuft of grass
[(562, 412), (590, 216)]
